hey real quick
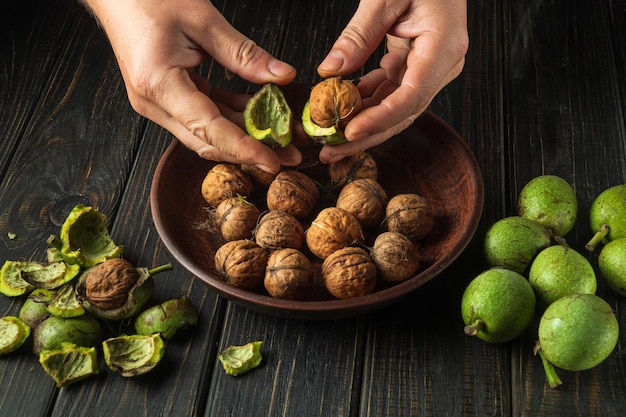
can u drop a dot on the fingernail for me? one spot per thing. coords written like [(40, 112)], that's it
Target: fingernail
[(358, 136), (335, 158), (266, 168), (333, 61), (280, 68)]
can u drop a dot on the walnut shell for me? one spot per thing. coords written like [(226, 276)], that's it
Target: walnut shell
[(108, 284), (334, 102), (411, 215), (361, 165), (288, 275), (365, 199), (331, 230), (225, 181), (236, 218), (349, 272), (292, 192), (257, 175), (396, 257), (278, 230), (241, 263)]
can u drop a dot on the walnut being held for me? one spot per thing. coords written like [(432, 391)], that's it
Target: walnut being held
[(288, 275), (334, 102), (331, 230), (241, 263), (349, 273)]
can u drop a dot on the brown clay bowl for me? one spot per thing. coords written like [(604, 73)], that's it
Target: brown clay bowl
[(429, 158)]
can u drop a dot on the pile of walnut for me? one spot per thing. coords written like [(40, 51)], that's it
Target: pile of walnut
[(274, 248)]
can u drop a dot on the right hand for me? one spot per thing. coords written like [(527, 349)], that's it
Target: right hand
[(159, 43)]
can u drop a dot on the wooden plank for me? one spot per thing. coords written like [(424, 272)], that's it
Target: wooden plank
[(563, 115)]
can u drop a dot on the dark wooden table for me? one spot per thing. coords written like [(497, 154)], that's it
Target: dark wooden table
[(543, 92)]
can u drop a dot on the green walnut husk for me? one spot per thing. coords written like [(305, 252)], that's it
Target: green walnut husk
[(35, 307), (237, 360), (65, 303), (82, 331), (268, 117), (167, 318), (135, 298), (133, 355), (69, 363), (52, 275), (323, 135), (13, 333), (84, 238), (11, 282)]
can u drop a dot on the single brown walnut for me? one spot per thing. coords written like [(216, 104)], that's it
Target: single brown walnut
[(411, 215), (108, 284), (365, 199), (334, 102), (361, 165), (225, 181), (292, 192), (288, 275), (395, 255), (241, 263), (236, 218), (349, 272), (331, 230), (277, 229)]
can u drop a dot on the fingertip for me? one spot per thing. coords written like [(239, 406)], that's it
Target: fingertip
[(283, 72)]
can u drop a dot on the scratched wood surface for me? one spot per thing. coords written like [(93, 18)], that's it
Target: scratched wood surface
[(543, 91)]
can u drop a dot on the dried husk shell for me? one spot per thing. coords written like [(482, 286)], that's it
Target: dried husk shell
[(293, 192), (277, 229), (365, 199), (331, 230), (236, 218), (241, 263), (411, 215), (225, 181), (396, 257), (349, 273), (288, 275), (334, 102), (361, 165)]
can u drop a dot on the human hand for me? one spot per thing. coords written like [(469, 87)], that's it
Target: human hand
[(158, 43), (426, 45)]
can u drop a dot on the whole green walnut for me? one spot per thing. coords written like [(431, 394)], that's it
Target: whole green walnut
[(167, 318), (51, 333)]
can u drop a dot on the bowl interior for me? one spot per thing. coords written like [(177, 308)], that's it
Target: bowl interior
[(428, 158)]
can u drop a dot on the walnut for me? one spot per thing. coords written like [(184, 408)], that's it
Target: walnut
[(241, 263), (225, 181), (292, 192), (108, 284), (236, 218), (349, 272), (288, 275), (334, 102), (331, 230), (411, 215), (258, 176), (396, 257), (277, 229), (365, 199), (361, 165)]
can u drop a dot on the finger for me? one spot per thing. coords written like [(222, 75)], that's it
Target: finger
[(359, 39), (235, 51)]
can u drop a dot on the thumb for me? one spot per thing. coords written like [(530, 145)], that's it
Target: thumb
[(359, 39), (238, 53)]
